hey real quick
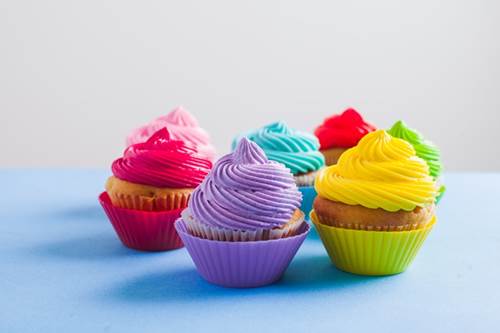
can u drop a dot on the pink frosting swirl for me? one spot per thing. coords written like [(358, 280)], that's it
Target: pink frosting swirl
[(182, 125), (162, 162)]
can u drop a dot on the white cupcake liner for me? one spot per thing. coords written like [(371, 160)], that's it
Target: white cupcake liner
[(306, 179), (201, 230)]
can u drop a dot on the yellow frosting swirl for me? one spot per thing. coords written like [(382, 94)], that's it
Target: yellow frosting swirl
[(380, 172)]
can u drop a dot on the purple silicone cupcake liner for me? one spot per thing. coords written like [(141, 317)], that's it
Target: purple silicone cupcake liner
[(241, 264)]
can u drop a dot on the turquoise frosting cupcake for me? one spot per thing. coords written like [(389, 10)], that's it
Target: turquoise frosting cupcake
[(298, 151)]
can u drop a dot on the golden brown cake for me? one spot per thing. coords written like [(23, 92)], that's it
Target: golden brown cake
[(125, 194), (337, 214), (332, 155)]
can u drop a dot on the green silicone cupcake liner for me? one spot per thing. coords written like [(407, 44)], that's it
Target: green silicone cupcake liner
[(371, 252)]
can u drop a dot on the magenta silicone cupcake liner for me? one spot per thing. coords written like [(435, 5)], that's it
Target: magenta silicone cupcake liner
[(241, 264), (141, 230)]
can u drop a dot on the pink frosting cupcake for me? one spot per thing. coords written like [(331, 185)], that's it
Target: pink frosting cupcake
[(181, 125)]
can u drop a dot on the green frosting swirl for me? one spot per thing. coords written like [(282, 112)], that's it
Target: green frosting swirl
[(425, 149), (297, 150)]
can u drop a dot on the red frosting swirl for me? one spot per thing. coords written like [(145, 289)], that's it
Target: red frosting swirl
[(343, 130), (162, 162)]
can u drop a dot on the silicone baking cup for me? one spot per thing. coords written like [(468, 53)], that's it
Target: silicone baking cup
[(168, 201), (371, 252), (201, 230), (241, 264), (143, 230), (306, 179)]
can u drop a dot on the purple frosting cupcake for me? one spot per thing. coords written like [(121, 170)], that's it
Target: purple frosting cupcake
[(245, 197), (243, 224)]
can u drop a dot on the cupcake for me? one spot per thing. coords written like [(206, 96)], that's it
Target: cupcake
[(243, 224), (375, 206), (424, 149), (341, 132), (298, 151), (182, 126), (150, 186)]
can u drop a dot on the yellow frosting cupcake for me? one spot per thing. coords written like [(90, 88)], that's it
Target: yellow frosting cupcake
[(379, 191)]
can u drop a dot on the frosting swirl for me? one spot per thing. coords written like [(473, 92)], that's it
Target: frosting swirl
[(425, 149), (162, 162), (380, 172), (246, 191), (297, 150), (343, 130), (182, 126)]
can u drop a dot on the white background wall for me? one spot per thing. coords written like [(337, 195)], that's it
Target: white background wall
[(75, 77)]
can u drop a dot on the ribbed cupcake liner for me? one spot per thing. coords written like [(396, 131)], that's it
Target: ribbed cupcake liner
[(308, 195), (201, 230), (142, 230), (306, 179), (371, 252), (241, 264), (169, 201), (332, 222)]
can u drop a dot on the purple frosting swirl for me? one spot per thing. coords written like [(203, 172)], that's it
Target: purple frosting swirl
[(246, 191)]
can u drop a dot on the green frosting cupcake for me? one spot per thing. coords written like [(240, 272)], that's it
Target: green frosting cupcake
[(425, 149), (298, 151)]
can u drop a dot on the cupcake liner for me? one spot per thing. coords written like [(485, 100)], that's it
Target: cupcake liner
[(169, 201), (306, 179), (330, 221), (308, 195), (241, 264), (201, 230), (140, 230), (371, 252)]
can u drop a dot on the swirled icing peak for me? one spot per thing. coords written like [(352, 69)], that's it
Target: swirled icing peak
[(424, 148), (343, 130), (162, 162), (182, 125), (380, 172), (297, 150), (246, 191)]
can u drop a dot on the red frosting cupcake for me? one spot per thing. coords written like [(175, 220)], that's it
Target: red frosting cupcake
[(341, 132), (150, 186)]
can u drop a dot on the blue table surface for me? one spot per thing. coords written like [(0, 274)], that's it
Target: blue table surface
[(63, 269)]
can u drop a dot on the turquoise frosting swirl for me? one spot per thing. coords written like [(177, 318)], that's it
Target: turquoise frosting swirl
[(298, 151)]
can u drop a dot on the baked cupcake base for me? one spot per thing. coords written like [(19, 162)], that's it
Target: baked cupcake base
[(129, 195), (241, 264), (140, 230), (371, 252), (357, 217), (332, 155)]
